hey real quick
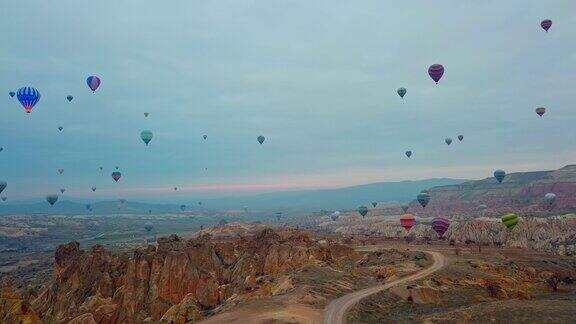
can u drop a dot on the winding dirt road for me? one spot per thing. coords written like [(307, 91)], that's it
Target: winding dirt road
[(335, 312)]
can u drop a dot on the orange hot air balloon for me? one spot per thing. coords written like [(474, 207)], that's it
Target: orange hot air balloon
[(407, 221)]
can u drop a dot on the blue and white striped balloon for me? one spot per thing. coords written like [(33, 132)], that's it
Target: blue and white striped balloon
[(28, 97)]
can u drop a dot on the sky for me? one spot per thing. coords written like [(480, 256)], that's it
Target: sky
[(317, 78)]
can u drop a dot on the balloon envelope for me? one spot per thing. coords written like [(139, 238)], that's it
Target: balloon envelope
[(540, 111), (205, 136), (374, 203), (182, 207), (28, 98), (510, 220), (407, 221), (363, 210), (401, 92), (51, 199), (436, 71), (12, 94), (546, 24), (448, 141), (62, 190), (408, 153), (3, 185), (423, 198), (146, 136), (93, 188), (148, 226), (261, 139), (460, 137), (93, 82), (116, 175), (550, 198), (499, 175), (69, 97), (146, 114), (440, 225)]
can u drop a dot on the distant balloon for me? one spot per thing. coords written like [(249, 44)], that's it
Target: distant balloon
[(546, 24), (499, 175), (3, 185), (88, 207), (335, 215), (448, 140), (60, 128), (146, 114), (28, 98), (60, 171), (278, 215), (408, 154), (363, 210), (436, 71), (205, 136), (148, 226), (93, 82), (540, 111), (175, 188), (182, 207), (116, 167), (200, 203), (101, 168), (62, 190), (245, 208), (407, 221), (423, 198), (261, 139), (405, 208), (482, 207), (510, 220), (93, 189), (149, 211), (460, 137), (440, 225), (4, 198), (550, 198), (12, 94), (1, 149), (374, 203), (69, 97), (401, 92), (116, 175), (146, 136), (51, 199)]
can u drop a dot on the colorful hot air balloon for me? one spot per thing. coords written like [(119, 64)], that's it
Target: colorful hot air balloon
[(448, 141), (363, 210), (408, 154), (499, 175), (93, 82), (423, 198), (12, 94), (62, 190), (182, 207), (93, 189), (404, 208), (60, 171), (550, 198), (60, 128), (546, 24), (116, 175), (540, 111), (440, 225), (401, 92), (205, 136), (51, 199), (460, 137), (69, 97), (3, 185), (261, 139), (436, 71), (146, 114), (28, 97), (407, 221), (146, 136), (510, 220), (374, 203)]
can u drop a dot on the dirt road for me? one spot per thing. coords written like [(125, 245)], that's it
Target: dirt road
[(335, 312)]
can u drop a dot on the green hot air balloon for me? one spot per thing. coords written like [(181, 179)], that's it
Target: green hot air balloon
[(499, 175), (423, 198), (146, 136), (363, 210), (51, 199), (401, 92), (510, 220)]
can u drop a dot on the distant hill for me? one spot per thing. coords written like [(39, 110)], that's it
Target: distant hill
[(306, 200)]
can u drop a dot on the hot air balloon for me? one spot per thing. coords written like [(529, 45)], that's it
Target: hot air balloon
[(3, 185), (4, 198), (182, 207), (60, 128), (405, 208), (550, 198), (146, 114), (12, 94), (335, 215), (408, 154), (407, 221), (540, 111), (510, 220), (423, 198), (245, 208), (69, 97), (200, 203), (1, 149), (261, 139), (278, 215), (175, 188), (51, 199), (440, 225), (148, 226), (401, 92), (93, 82), (363, 210), (205, 136), (546, 24), (149, 211), (88, 207), (116, 175), (116, 167), (448, 140), (374, 203), (499, 175), (60, 171), (482, 207), (28, 97), (62, 190), (436, 71), (93, 189), (146, 136), (460, 137)]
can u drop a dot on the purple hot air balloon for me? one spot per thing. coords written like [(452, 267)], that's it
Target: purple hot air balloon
[(440, 225), (436, 71), (546, 24), (93, 82)]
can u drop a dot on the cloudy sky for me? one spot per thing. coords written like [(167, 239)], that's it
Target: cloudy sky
[(317, 78)]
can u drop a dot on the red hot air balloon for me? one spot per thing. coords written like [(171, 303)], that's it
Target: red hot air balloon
[(407, 221), (436, 71), (440, 225), (546, 24), (540, 111)]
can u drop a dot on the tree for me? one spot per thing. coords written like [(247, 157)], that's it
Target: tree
[(554, 280)]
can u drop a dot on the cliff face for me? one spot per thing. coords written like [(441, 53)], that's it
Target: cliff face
[(176, 280)]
